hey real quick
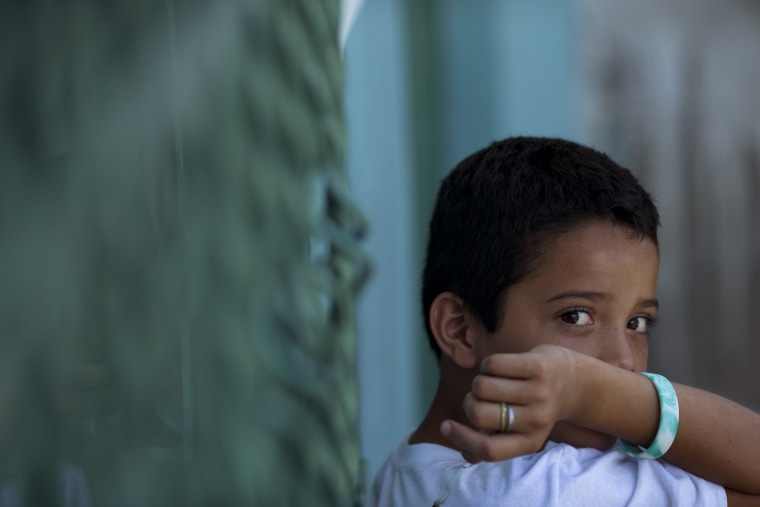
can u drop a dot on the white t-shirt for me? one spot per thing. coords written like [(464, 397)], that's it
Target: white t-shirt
[(560, 475)]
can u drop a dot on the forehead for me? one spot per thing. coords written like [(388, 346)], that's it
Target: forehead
[(597, 251)]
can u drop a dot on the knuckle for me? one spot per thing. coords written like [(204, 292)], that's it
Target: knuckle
[(495, 364), (489, 450), (480, 386), (478, 415), (534, 446), (469, 401), (529, 444), (486, 388), (542, 394), (540, 367), (542, 418)]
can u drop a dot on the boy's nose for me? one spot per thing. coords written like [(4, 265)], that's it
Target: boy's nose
[(617, 350)]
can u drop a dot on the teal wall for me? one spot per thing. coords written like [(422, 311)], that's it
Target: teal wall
[(379, 173), (508, 68), (429, 82)]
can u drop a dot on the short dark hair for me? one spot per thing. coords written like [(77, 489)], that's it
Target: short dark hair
[(499, 205)]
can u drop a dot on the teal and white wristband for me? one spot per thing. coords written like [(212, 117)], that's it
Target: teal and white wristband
[(666, 432)]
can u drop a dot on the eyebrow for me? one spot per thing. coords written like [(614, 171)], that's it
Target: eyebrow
[(599, 296)]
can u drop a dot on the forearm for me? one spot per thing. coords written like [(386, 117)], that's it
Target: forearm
[(717, 439)]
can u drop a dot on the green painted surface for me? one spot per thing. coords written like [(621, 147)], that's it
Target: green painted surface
[(173, 211)]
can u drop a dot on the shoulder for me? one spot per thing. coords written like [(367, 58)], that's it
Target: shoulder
[(559, 475)]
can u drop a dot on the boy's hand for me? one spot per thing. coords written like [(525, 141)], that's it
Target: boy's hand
[(540, 385)]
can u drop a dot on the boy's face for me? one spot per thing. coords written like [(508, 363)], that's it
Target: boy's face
[(593, 290)]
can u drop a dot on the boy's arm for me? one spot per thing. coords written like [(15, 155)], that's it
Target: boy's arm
[(735, 499), (717, 439)]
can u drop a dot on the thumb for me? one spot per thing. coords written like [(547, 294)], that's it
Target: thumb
[(463, 437)]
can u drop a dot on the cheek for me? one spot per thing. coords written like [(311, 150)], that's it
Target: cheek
[(641, 354), (590, 344)]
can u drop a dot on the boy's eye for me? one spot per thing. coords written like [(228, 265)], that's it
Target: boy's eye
[(576, 318), (639, 324)]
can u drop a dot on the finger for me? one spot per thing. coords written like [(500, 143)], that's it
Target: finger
[(463, 438), (516, 366), (476, 446), (497, 389), (470, 458), (488, 415)]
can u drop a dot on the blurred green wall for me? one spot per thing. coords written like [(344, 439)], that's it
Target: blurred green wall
[(178, 255)]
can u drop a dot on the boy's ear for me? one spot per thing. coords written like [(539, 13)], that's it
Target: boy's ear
[(453, 329)]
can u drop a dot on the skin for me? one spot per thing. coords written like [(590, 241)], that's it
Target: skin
[(571, 336)]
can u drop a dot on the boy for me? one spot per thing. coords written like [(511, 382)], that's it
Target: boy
[(539, 288)]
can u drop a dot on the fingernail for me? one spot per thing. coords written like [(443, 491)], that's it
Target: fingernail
[(446, 428)]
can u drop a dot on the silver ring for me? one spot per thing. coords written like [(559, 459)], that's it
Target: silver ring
[(507, 418)]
